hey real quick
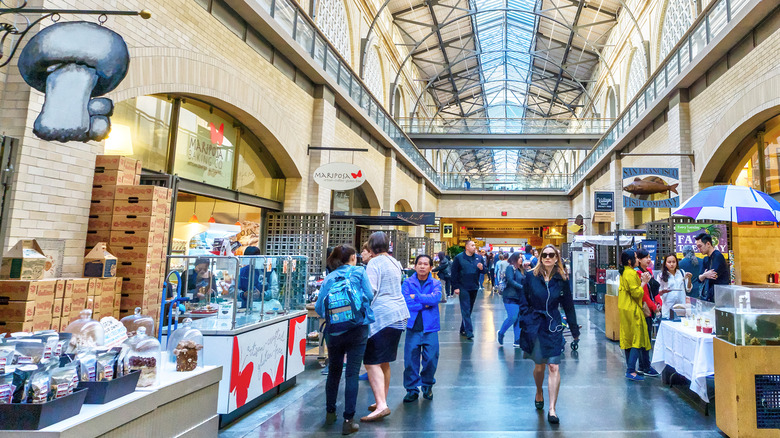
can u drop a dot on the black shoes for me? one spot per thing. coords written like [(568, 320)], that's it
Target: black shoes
[(552, 419), (411, 396), (539, 404), (427, 392), (349, 427), (330, 418)]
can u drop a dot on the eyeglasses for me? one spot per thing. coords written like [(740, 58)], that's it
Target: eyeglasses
[(548, 255)]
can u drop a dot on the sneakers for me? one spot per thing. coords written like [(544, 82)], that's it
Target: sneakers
[(330, 418), (500, 337), (650, 372), (363, 376), (411, 396), (427, 392), (516, 345), (636, 378)]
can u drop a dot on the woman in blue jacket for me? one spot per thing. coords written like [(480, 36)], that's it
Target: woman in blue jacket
[(547, 287), (422, 293), (352, 343), (514, 278)]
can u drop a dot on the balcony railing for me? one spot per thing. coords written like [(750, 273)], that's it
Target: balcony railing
[(506, 181), (546, 126)]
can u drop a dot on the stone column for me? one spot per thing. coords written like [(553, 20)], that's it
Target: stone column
[(616, 176), (679, 123), (390, 177), (323, 134)]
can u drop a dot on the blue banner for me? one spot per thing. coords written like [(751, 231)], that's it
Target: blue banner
[(652, 247)]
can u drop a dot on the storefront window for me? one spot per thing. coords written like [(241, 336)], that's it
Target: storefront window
[(205, 145), (750, 174), (139, 129), (257, 173)]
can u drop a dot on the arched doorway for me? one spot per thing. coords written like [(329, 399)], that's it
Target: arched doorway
[(755, 161)]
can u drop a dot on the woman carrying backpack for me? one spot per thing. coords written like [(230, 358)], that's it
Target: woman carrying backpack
[(344, 289)]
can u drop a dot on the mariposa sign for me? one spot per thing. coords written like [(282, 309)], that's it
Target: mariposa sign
[(339, 176)]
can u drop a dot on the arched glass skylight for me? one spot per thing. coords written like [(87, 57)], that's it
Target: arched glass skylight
[(332, 21), (372, 74), (637, 74), (677, 20)]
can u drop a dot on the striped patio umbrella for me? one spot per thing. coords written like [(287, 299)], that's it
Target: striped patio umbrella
[(730, 203)]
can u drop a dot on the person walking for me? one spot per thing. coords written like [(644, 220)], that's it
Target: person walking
[(501, 266), (634, 337), (529, 260), (515, 279), (443, 271), (422, 293), (690, 263), (484, 270), (390, 313), (674, 285), (466, 269), (545, 289), (714, 269), (491, 264), (365, 254), (345, 284)]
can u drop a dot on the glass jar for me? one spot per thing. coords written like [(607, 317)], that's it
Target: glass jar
[(86, 332), (184, 347), (143, 355), (136, 320)]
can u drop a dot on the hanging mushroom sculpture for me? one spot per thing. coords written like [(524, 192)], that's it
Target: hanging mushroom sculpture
[(73, 63)]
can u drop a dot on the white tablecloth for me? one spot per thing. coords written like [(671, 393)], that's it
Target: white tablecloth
[(687, 351)]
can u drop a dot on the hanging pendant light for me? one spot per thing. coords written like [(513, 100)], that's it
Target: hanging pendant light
[(211, 219), (238, 216), (194, 218)]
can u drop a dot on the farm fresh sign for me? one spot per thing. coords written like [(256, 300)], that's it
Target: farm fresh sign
[(339, 176), (651, 187)]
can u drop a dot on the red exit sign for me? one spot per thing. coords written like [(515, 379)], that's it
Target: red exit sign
[(503, 213)]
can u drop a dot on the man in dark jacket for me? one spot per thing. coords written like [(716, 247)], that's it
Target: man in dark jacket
[(465, 272), (714, 268), (443, 271), (422, 293)]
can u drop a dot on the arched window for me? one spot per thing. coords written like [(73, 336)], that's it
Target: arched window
[(372, 75), (332, 21), (637, 74), (612, 108), (677, 20)]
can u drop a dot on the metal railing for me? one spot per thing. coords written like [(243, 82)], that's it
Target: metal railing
[(416, 125), (506, 181), (708, 26)]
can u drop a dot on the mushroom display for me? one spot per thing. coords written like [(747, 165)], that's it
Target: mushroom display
[(73, 63)]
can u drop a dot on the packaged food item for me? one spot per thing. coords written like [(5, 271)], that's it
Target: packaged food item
[(49, 339), (87, 365), (186, 353), (21, 382), (6, 387), (62, 379), (62, 343), (38, 390), (6, 357), (105, 365), (29, 351)]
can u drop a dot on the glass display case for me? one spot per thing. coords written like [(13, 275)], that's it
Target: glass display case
[(143, 355), (230, 292), (136, 320), (747, 315), (86, 332), (613, 281)]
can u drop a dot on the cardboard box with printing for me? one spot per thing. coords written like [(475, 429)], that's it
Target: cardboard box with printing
[(142, 193), (140, 208), (17, 311), (76, 286), (132, 222), (136, 238), (135, 269), (138, 253), (59, 288), (100, 262), (103, 192), (24, 261), (101, 206), (140, 285), (113, 177), (100, 222), (118, 162), (14, 326), (95, 237)]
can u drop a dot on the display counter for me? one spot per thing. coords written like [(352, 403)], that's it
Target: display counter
[(258, 359), (164, 410), (611, 317)]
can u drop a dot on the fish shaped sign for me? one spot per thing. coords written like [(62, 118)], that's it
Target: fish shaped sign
[(643, 182)]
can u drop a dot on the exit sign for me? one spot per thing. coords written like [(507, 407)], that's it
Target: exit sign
[(503, 213)]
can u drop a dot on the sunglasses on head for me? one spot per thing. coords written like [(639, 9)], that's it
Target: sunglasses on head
[(547, 255)]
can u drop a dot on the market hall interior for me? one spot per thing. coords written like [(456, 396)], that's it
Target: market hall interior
[(295, 127)]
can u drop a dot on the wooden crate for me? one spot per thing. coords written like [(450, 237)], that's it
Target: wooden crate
[(611, 317)]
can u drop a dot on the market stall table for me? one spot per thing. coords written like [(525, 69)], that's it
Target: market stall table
[(687, 351), (163, 410)]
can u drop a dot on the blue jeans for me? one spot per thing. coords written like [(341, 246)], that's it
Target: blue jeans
[(417, 345), (481, 280), (512, 320), (447, 286), (467, 300), (634, 354), (353, 344)]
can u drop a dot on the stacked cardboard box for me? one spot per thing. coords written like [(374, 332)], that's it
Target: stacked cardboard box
[(26, 305), (134, 220)]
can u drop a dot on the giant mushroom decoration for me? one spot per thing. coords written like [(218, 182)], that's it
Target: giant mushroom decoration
[(73, 63)]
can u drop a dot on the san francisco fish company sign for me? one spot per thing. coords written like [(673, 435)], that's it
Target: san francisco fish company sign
[(649, 181)]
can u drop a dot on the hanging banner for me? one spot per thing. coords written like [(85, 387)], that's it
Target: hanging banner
[(644, 183), (339, 176), (604, 201), (421, 218), (652, 247), (685, 235)]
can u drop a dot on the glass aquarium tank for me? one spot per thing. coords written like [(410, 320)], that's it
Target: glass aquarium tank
[(746, 315), (613, 281)]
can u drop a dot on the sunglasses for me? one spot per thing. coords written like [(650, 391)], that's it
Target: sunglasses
[(547, 255)]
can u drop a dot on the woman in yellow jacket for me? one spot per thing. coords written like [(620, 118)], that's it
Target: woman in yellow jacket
[(634, 339)]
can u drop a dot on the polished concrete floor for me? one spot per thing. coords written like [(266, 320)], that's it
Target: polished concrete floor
[(485, 390)]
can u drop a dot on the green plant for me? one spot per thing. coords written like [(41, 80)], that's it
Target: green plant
[(455, 250)]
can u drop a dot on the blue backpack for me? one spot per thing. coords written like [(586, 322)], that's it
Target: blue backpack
[(343, 305)]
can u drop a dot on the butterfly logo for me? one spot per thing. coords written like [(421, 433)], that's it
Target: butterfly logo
[(269, 384), (217, 135), (357, 175), (294, 323), (239, 380)]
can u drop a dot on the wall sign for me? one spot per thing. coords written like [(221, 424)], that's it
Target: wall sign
[(652, 248), (446, 231), (685, 235), (643, 182), (604, 201), (432, 229), (422, 218), (339, 176)]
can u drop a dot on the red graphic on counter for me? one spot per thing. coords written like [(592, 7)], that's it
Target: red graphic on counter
[(217, 135), (269, 384), (239, 380), (291, 341), (357, 175), (303, 350)]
